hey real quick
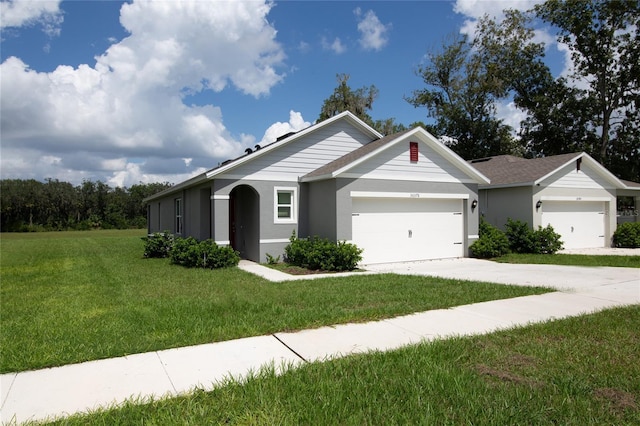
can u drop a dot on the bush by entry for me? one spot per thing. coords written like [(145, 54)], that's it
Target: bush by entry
[(190, 252)]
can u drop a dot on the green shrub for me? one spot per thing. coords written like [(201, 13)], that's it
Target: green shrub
[(627, 235), (190, 253), (546, 241), (520, 236), (158, 244), (492, 242), (322, 254), (523, 239), (215, 256)]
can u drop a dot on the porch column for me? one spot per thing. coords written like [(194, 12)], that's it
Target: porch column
[(220, 218)]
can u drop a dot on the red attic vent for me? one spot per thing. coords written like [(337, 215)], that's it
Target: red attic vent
[(413, 152)]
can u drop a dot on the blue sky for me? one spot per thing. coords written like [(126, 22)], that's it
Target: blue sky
[(129, 92)]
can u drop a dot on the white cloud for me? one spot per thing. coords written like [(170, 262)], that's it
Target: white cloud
[(373, 33), (475, 9), (19, 13), (336, 45), (510, 114), (130, 104), (295, 124)]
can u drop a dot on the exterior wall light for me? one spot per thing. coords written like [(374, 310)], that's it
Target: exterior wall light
[(538, 204), (474, 204)]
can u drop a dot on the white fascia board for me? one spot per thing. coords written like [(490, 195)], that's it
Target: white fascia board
[(574, 198), (256, 154), (400, 177), (506, 185), (423, 195), (597, 167), (427, 138)]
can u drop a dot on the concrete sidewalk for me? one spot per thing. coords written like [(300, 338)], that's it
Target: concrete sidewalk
[(36, 395)]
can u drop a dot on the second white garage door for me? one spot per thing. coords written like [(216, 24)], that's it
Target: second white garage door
[(407, 229), (581, 224)]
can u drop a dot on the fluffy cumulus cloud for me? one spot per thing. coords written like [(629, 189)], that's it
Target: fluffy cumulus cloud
[(99, 121), (374, 35), (18, 13), (295, 124)]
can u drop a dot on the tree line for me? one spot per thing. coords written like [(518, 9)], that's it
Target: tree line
[(592, 107), (52, 205)]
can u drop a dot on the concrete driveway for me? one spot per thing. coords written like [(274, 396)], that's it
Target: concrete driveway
[(564, 278)]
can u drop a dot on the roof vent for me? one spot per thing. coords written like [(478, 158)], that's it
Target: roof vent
[(286, 135), (480, 160), (257, 147), (248, 151)]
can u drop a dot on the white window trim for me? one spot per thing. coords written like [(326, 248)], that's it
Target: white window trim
[(294, 204)]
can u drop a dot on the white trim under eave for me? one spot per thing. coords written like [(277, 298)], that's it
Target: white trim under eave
[(422, 195), (275, 240), (505, 185), (574, 198)]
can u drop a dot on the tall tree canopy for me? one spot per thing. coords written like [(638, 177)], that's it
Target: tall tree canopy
[(358, 101), (461, 96), (593, 109), (604, 39)]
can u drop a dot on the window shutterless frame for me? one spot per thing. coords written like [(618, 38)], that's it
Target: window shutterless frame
[(285, 200)]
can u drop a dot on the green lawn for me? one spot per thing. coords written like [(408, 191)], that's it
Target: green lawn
[(572, 260), (76, 296), (578, 371)]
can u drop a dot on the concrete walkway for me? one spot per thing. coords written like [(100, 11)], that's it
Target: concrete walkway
[(60, 391)]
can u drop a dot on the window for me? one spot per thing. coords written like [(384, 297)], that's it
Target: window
[(178, 205), (285, 205)]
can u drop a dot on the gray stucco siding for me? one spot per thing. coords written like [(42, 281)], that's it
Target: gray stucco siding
[(498, 205), (321, 209)]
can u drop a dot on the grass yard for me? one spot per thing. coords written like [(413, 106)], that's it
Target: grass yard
[(572, 260), (75, 296), (577, 371)]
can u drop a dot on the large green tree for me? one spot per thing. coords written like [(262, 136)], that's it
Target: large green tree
[(343, 98), (604, 40), (461, 95), (594, 108)]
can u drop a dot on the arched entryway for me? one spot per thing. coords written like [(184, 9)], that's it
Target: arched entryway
[(244, 222)]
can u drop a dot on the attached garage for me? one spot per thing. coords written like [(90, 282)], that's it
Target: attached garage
[(581, 224), (394, 229)]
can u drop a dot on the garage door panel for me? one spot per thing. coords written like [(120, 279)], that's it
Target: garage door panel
[(435, 230), (580, 224)]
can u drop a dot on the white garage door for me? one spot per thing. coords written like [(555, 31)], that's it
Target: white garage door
[(406, 229), (580, 223)]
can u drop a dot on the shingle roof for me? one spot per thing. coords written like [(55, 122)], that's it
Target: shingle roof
[(630, 183), (352, 156), (508, 169)]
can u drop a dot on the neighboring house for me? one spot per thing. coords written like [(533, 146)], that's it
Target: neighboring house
[(402, 197), (629, 202), (572, 192)]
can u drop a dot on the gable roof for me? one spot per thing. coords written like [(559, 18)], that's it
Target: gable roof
[(346, 115), (508, 170), (362, 154), (281, 141)]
